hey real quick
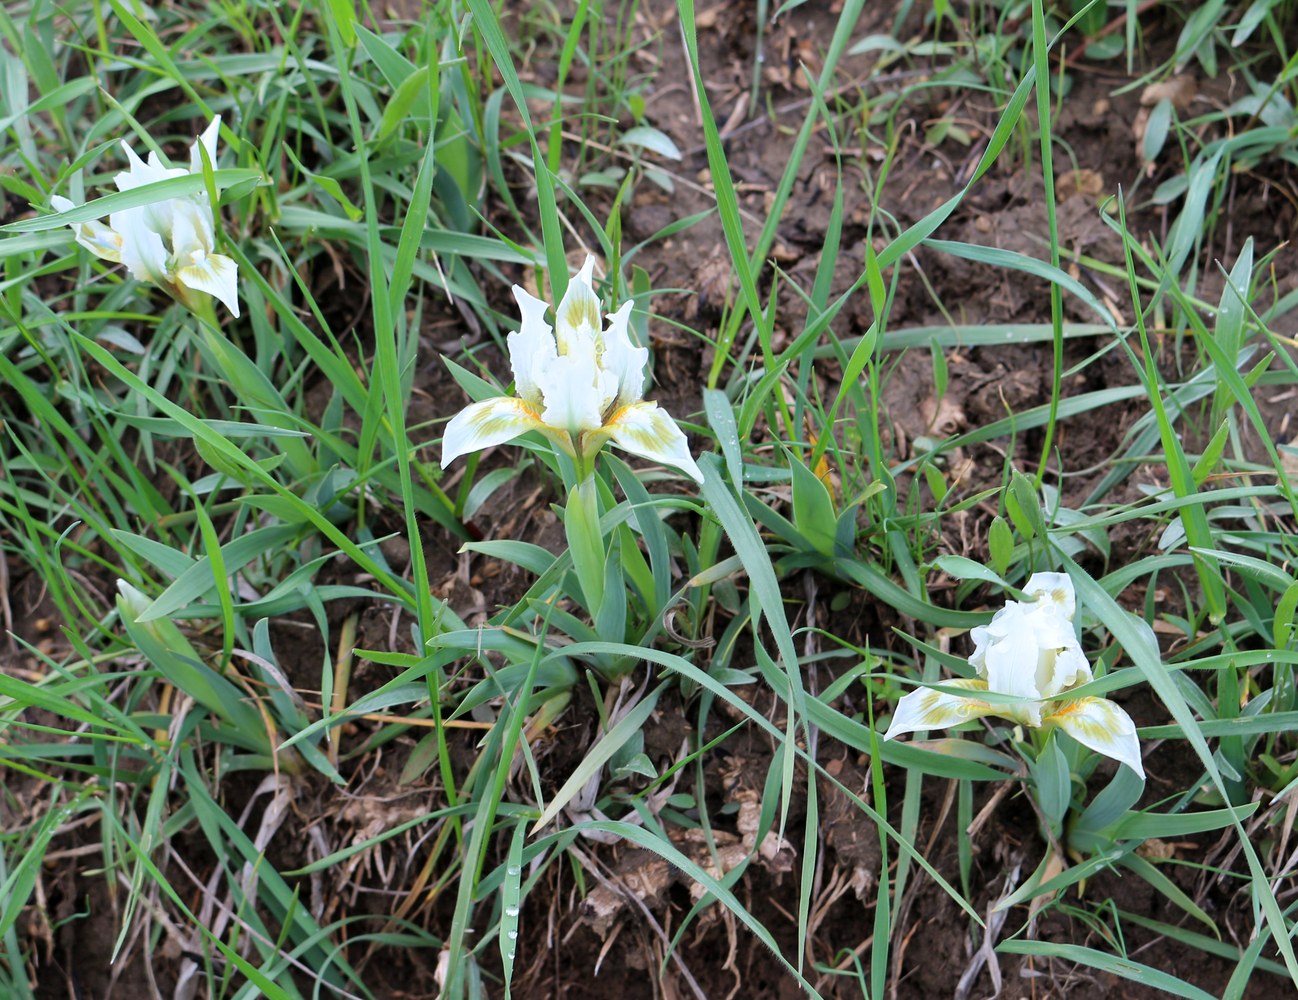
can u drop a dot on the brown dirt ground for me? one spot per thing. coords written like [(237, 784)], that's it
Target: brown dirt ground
[(567, 948)]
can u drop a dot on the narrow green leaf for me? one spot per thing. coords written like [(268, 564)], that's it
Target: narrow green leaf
[(598, 755)]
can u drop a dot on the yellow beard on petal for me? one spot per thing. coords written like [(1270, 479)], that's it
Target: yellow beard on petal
[(1079, 720)]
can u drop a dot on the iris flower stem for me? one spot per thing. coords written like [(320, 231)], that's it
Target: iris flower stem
[(585, 540), (204, 310)]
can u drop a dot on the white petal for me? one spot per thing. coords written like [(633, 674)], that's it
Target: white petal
[(1062, 669), (212, 273), (137, 172), (1048, 624), (100, 240), (190, 228), (569, 385), (1061, 664), (646, 430), (208, 140), (1012, 657), (531, 347), (925, 708), (486, 423), (1054, 587), (1102, 726), (141, 173), (142, 249), (623, 359), (982, 641), (577, 317)]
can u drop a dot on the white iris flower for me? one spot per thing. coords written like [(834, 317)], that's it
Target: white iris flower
[(580, 384), (1030, 653), (168, 242)]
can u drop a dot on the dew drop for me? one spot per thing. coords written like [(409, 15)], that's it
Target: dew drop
[(512, 935), (511, 911), (511, 954), (513, 871)]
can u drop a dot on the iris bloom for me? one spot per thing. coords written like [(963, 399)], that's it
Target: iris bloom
[(1030, 653), (580, 384), (168, 242)]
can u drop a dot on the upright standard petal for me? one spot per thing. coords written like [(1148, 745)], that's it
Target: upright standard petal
[(1010, 660), (1054, 587), (531, 347), (1102, 726), (486, 423), (100, 240), (190, 228), (143, 251), (925, 708), (206, 140), (577, 317), (141, 173), (570, 387), (623, 359), (646, 430), (982, 640)]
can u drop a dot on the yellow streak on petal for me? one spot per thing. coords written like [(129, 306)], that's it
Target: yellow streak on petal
[(1082, 717), (926, 708), (488, 423), (101, 241), (937, 710), (1102, 726)]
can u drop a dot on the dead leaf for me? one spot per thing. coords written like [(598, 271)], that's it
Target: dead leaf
[(1180, 90), (1055, 865), (1083, 182)]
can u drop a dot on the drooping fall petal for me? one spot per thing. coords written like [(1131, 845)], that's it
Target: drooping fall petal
[(1102, 726), (215, 274), (646, 430), (486, 423), (100, 240), (925, 708), (195, 266)]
